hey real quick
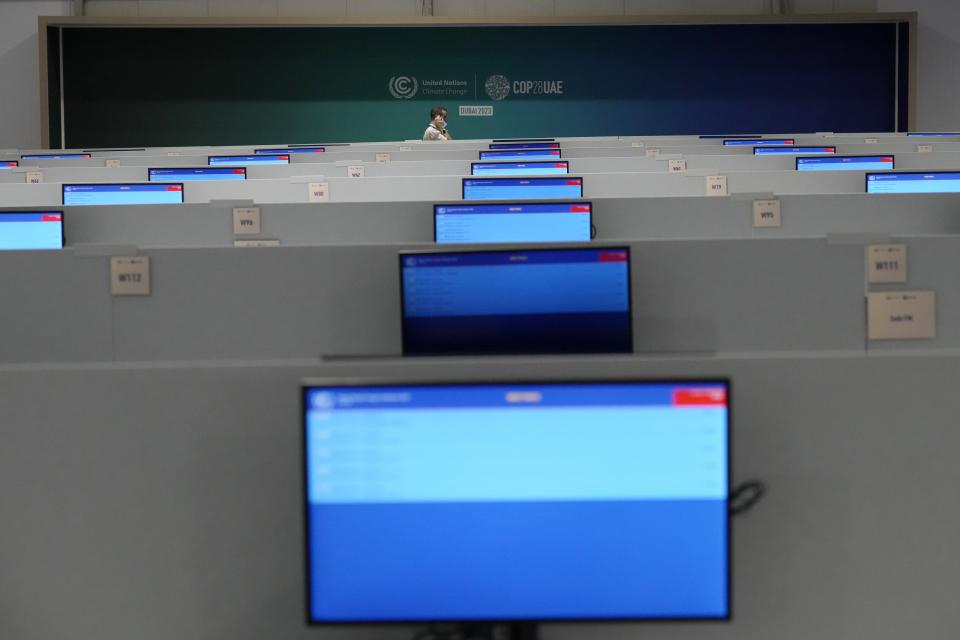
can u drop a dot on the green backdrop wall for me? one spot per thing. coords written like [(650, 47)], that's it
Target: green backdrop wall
[(135, 86)]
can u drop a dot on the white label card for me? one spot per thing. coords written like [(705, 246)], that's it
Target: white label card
[(246, 221), (256, 243), (653, 153), (924, 148), (677, 166), (113, 163), (130, 275), (871, 141), (886, 263), (34, 177), (356, 171), (318, 192), (902, 315), (406, 147), (716, 186), (636, 144), (766, 213), (383, 157)]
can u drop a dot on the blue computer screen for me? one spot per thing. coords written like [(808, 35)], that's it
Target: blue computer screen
[(193, 174), (291, 150), (55, 156), (91, 194), (793, 151), (752, 142), (736, 137), (524, 145), (234, 161), (31, 230), (8, 164), (517, 501), (845, 163), (919, 182), (561, 167), (930, 134), (520, 155), (513, 222), (522, 188), (527, 301)]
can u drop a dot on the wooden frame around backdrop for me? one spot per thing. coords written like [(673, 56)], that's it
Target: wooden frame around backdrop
[(43, 22)]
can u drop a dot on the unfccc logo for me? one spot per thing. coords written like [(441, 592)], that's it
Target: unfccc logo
[(403, 87), (497, 87)]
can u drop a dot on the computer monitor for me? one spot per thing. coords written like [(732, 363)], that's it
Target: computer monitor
[(753, 142), (545, 168), (521, 155), (290, 150), (22, 230), (516, 500), (793, 151), (729, 137), (524, 140), (9, 164), (116, 149), (234, 161), (845, 163), (194, 174), (932, 134), (513, 222), (524, 145), (914, 182), (522, 188), (519, 301), (123, 193), (55, 156)]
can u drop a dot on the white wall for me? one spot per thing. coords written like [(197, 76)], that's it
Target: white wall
[(19, 89), (938, 50)]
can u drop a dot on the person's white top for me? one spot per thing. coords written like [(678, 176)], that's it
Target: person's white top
[(432, 133)]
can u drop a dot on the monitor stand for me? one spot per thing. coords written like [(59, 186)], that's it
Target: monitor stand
[(501, 631)]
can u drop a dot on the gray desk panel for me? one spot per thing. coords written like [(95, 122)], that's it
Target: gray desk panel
[(127, 488)]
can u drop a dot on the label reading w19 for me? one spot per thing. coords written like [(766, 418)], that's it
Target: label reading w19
[(716, 185)]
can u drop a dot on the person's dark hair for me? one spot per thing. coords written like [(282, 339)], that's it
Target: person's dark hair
[(436, 111)]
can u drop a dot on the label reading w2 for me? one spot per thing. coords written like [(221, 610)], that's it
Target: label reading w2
[(130, 275)]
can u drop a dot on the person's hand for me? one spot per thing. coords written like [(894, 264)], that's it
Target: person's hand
[(438, 122)]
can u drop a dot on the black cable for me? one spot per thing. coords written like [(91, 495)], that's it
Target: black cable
[(745, 496)]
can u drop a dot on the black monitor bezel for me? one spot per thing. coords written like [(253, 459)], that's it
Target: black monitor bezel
[(289, 150), (483, 151), (151, 169), (506, 247), (792, 143), (63, 191), (63, 225), (796, 163), (866, 180), (756, 149), (311, 383), (566, 162), (247, 155), (463, 185), (523, 140), (507, 146), (460, 203), (16, 163), (53, 156)]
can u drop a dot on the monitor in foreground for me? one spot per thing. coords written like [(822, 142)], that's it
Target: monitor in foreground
[(517, 501), (8, 164), (290, 150), (239, 161), (123, 193), (22, 230), (524, 145), (549, 168), (522, 188), (752, 142), (846, 163), (934, 134), (521, 155), (793, 151), (195, 174), (523, 301), (513, 222), (914, 182)]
